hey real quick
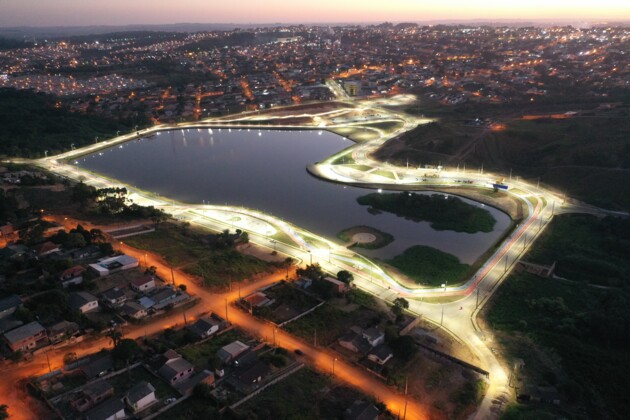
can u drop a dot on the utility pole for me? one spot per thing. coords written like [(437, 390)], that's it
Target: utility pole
[(173, 276), (477, 305), (442, 318), (48, 360), (406, 397), (226, 310)]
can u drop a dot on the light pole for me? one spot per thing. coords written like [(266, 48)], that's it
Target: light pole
[(310, 254), (333, 370), (45, 153)]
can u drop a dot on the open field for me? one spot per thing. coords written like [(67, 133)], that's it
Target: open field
[(184, 248), (586, 157), (559, 329), (587, 249)]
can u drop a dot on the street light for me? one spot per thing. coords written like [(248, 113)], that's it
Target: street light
[(333, 370), (311, 256)]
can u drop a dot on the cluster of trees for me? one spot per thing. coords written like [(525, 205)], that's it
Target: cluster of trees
[(114, 202), (443, 214), (32, 123)]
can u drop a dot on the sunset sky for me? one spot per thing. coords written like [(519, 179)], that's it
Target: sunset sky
[(117, 12)]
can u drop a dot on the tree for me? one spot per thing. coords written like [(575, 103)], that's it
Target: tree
[(115, 336), (75, 240), (182, 287), (4, 412), (158, 216), (400, 304), (313, 271), (126, 350), (345, 276), (244, 237)]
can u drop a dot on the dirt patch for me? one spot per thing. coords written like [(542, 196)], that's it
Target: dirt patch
[(260, 252), (365, 237)]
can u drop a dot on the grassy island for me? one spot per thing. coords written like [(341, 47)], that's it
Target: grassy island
[(429, 266), (443, 212)]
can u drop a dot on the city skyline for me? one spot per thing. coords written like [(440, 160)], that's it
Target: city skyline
[(117, 12)]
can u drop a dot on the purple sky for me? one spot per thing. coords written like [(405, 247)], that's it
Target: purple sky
[(120, 12)]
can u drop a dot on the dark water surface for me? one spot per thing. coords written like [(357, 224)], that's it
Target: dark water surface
[(265, 170)]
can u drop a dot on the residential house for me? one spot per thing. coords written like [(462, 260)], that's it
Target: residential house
[(380, 354), (258, 300), (46, 248), (133, 310), (91, 395), (114, 264), (27, 337), (176, 369), (83, 301), (7, 231), (73, 275), (205, 326), (361, 410), (354, 341), (231, 351), (62, 331), (374, 336), (112, 409), (249, 372), (340, 287), (113, 297), (303, 282), (98, 365), (9, 305), (143, 284), (204, 377), (141, 396)]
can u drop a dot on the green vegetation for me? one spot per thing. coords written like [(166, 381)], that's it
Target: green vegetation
[(587, 249), (588, 158), (429, 266), (443, 212), (185, 248), (328, 321), (31, 123), (304, 395), (382, 238), (204, 355), (573, 336)]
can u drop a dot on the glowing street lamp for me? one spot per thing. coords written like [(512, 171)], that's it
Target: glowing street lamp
[(333, 367)]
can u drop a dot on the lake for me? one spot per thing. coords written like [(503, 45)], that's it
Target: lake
[(266, 170)]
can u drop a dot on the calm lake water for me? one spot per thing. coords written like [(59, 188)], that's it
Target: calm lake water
[(266, 170)]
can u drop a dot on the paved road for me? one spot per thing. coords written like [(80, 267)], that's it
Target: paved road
[(458, 318)]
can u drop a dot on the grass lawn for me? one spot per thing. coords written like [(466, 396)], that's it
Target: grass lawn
[(429, 266)]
